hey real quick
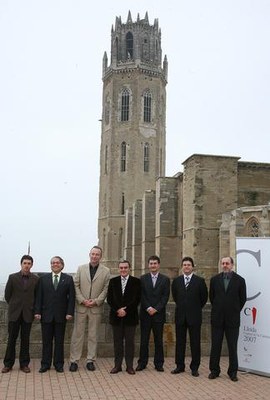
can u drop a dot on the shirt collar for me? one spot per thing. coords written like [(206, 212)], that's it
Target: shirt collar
[(59, 274)]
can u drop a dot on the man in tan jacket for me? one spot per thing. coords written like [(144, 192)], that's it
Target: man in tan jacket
[(91, 285)]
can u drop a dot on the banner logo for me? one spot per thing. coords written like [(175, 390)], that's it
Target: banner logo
[(251, 312)]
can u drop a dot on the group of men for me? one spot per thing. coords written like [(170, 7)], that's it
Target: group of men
[(54, 297)]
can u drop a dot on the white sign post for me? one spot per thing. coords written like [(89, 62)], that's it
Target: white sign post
[(253, 264)]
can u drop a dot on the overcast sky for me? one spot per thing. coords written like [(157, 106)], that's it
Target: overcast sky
[(218, 102)]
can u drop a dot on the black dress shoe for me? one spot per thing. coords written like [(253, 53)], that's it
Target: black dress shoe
[(43, 369), (195, 373), (115, 370), (90, 366), (159, 369), (73, 367), (212, 375), (6, 369), (25, 369), (234, 378), (130, 371), (140, 367), (59, 369), (177, 370)]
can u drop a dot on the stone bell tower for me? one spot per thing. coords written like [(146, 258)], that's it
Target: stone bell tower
[(133, 133)]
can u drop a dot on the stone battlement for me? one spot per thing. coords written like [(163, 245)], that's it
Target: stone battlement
[(105, 348)]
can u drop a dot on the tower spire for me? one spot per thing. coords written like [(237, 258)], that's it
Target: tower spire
[(129, 19)]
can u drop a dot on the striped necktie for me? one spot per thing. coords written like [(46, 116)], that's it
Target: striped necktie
[(187, 279), (124, 283)]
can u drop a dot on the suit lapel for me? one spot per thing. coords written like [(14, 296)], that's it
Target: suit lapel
[(119, 286), (98, 272), (62, 280), (87, 272), (231, 282), (148, 281), (50, 281)]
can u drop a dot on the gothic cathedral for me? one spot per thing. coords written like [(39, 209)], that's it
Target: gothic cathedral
[(198, 212)]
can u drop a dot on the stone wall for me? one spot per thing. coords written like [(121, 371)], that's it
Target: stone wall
[(105, 348)]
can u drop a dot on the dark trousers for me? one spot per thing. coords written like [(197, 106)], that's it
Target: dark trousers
[(148, 325), (123, 340), (53, 331), (231, 335), (195, 345), (13, 331)]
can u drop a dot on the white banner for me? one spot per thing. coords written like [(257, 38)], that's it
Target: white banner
[(253, 264)]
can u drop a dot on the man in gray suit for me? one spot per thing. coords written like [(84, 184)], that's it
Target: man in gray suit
[(91, 286), (19, 294), (155, 292)]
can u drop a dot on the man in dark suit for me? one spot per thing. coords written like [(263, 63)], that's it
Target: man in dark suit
[(19, 294), (54, 305), (124, 293), (190, 294), (227, 295), (155, 292)]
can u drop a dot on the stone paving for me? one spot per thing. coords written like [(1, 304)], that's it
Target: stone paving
[(148, 384)]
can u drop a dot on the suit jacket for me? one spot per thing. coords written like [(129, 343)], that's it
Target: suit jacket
[(156, 297), (87, 289), (20, 297), (226, 306), (130, 299), (54, 305), (189, 301)]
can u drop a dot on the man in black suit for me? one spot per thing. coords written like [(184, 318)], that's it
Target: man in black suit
[(155, 289), (54, 305), (227, 295), (19, 294), (190, 294), (124, 293)]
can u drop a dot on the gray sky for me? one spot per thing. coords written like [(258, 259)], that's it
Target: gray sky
[(218, 102)]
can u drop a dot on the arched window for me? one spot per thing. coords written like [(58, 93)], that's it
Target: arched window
[(252, 227), (106, 160), (129, 46), (121, 244), (125, 105), (123, 156), (146, 157), (104, 241), (123, 204), (107, 112), (147, 106), (117, 49)]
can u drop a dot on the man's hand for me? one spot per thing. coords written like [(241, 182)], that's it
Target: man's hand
[(89, 303), (68, 317), (121, 312), (151, 311)]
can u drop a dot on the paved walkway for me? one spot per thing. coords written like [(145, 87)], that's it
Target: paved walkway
[(148, 384)]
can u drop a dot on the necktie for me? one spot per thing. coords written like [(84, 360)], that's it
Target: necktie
[(55, 281), (154, 280), (226, 281), (124, 282), (187, 281)]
